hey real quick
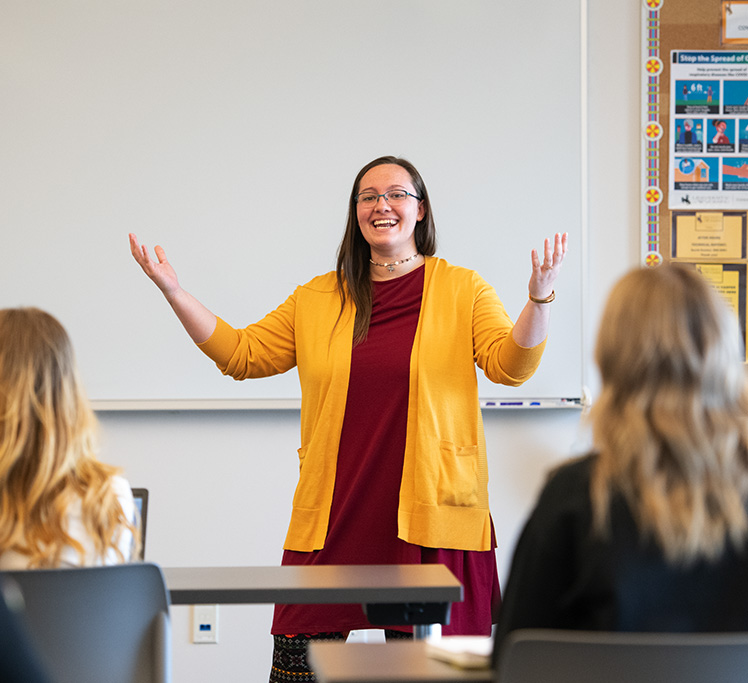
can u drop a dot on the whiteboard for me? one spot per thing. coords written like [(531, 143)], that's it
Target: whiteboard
[(230, 133)]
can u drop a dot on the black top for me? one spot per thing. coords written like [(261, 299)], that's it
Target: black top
[(563, 576)]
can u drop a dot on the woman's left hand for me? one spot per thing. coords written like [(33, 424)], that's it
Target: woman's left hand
[(544, 274)]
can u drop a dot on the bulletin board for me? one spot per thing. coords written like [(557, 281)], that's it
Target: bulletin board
[(694, 205)]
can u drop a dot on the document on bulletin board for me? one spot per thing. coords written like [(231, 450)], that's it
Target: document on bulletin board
[(708, 235), (708, 130), (729, 280)]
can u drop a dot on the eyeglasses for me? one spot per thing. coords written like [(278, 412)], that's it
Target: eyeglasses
[(392, 197)]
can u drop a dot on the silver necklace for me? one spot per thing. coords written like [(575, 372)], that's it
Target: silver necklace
[(391, 266)]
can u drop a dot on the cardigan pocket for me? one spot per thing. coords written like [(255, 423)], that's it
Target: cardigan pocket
[(301, 452), (309, 494), (458, 475)]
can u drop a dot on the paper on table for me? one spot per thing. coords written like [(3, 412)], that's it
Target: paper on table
[(467, 652)]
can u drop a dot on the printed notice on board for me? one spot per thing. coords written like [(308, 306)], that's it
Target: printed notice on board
[(708, 235), (729, 280), (708, 130)]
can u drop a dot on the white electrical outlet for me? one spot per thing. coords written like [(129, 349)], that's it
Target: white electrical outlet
[(205, 623)]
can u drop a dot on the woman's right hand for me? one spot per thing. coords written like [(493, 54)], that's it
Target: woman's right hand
[(197, 320), (161, 272)]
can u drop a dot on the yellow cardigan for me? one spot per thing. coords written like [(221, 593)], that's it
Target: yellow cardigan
[(444, 486)]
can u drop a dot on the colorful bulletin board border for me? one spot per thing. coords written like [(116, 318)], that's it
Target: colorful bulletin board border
[(652, 131)]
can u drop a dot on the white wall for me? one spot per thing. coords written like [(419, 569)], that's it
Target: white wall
[(221, 482)]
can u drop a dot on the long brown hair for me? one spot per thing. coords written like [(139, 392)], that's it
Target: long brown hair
[(671, 423), (47, 451), (354, 252)]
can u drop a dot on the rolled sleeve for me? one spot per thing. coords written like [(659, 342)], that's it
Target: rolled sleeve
[(519, 363), (221, 345)]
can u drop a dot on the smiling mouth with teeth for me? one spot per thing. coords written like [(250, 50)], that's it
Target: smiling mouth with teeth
[(384, 224)]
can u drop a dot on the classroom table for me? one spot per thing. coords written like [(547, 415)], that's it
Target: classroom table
[(416, 594), (393, 662)]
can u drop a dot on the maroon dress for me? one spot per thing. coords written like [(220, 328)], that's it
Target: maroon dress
[(363, 516)]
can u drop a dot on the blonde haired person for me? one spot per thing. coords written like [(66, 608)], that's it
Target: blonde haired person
[(59, 506), (648, 533)]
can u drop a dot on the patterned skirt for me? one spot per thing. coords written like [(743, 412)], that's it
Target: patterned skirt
[(290, 654)]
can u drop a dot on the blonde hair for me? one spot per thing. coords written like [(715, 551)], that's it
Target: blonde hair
[(671, 423), (47, 452)]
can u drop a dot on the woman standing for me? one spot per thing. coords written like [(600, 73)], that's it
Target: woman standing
[(393, 458)]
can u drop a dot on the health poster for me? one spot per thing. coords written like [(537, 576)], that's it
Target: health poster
[(708, 130)]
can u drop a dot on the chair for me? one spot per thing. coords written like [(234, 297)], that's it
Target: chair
[(97, 624), (555, 656), (19, 661)]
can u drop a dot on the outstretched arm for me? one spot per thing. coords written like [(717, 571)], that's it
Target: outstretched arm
[(196, 319), (531, 326)]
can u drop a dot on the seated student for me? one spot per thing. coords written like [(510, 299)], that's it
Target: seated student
[(648, 532), (59, 506)]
